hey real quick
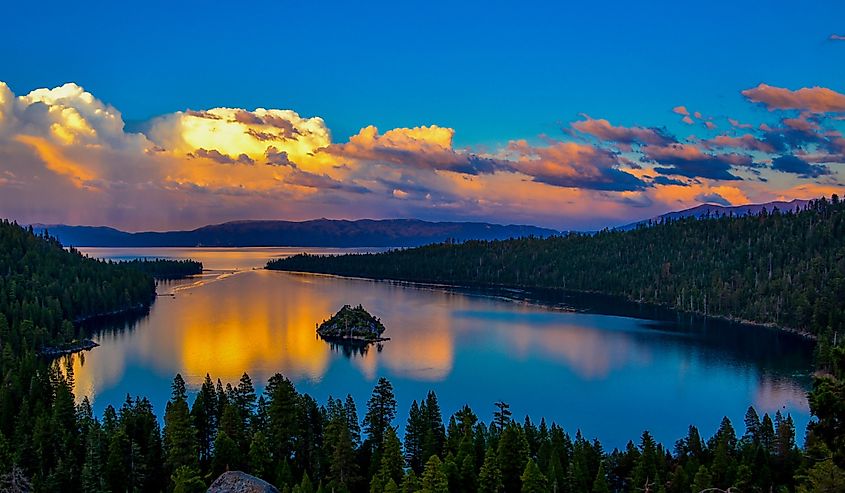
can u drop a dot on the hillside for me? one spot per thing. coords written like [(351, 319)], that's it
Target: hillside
[(715, 210), (785, 268), (44, 288), (314, 233)]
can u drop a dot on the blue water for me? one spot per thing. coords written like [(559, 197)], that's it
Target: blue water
[(584, 366)]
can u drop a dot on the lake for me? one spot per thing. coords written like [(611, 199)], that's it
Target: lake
[(610, 369)]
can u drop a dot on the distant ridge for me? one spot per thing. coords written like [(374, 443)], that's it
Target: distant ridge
[(716, 209), (313, 233)]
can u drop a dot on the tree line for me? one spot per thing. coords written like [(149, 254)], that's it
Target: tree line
[(785, 268), (288, 439), (159, 268)]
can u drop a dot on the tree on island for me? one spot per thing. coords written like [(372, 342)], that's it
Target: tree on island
[(352, 324)]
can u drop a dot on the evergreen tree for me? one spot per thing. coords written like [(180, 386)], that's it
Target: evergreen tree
[(512, 456), (532, 479), (434, 479), (180, 447), (645, 472), (381, 410), (600, 485), (227, 454), (187, 480), (702, 480), (490, 476), (281, 415), (414, 436), (260, 459)]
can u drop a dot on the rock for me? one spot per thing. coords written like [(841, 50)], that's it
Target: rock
[(240, 482)]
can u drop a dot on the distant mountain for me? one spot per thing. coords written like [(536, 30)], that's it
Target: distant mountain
[(715, 209), (314, 233)]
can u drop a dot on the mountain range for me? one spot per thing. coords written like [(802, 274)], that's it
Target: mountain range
[(344, 233), (314, 233)]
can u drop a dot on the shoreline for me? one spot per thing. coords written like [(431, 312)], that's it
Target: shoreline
[(535, 301), (54, 352)]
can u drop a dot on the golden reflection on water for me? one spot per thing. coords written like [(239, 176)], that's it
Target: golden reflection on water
[(261, 322)]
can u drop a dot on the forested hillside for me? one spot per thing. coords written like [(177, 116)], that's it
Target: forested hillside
[(781, 267), (44, 289)]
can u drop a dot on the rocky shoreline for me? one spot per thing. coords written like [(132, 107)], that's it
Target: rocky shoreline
[(74, 347)]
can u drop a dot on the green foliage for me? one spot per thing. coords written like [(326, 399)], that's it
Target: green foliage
[(45, 289), (490, 476), (533, 480), (352, 323), (187, 480), (165, 268), (434, 478)]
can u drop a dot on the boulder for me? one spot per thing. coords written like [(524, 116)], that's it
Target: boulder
[(240, 482)]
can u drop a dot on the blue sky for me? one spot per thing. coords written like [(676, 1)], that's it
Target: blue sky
[(492, 70)]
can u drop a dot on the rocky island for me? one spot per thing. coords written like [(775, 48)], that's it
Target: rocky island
[(353, 325)]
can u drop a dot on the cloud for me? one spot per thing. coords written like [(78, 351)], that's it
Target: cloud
[(738, 124), (798, 166), (66, 156), (571, 164), (221, 158), (712, 198), (234, 131), (746, 141), (427, 148), (603, 130), (812, 99), (836, 37), (275, 157), (688, 160)]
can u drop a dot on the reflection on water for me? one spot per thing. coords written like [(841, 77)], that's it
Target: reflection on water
[(610, 375)]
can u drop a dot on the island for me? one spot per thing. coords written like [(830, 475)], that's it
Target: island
[(352, 325)]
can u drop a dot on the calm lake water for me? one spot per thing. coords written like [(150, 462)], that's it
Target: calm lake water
[(606, 368)]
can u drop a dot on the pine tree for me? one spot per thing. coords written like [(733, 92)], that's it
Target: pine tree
[(435, 434), (343, 469), (281, 415), (600, 484), (204, 417), (702, 480), (227, 454), (180, 444), (381, 409), (490, 475), (187, 480), (260, 459), (434, 478), (414, 435), (532, 479), (645, 472)]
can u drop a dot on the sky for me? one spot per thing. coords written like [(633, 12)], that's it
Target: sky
[(172, 115)]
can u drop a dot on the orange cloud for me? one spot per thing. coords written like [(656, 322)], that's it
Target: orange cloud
[(602, 129), (813, 99), (56, 161)]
